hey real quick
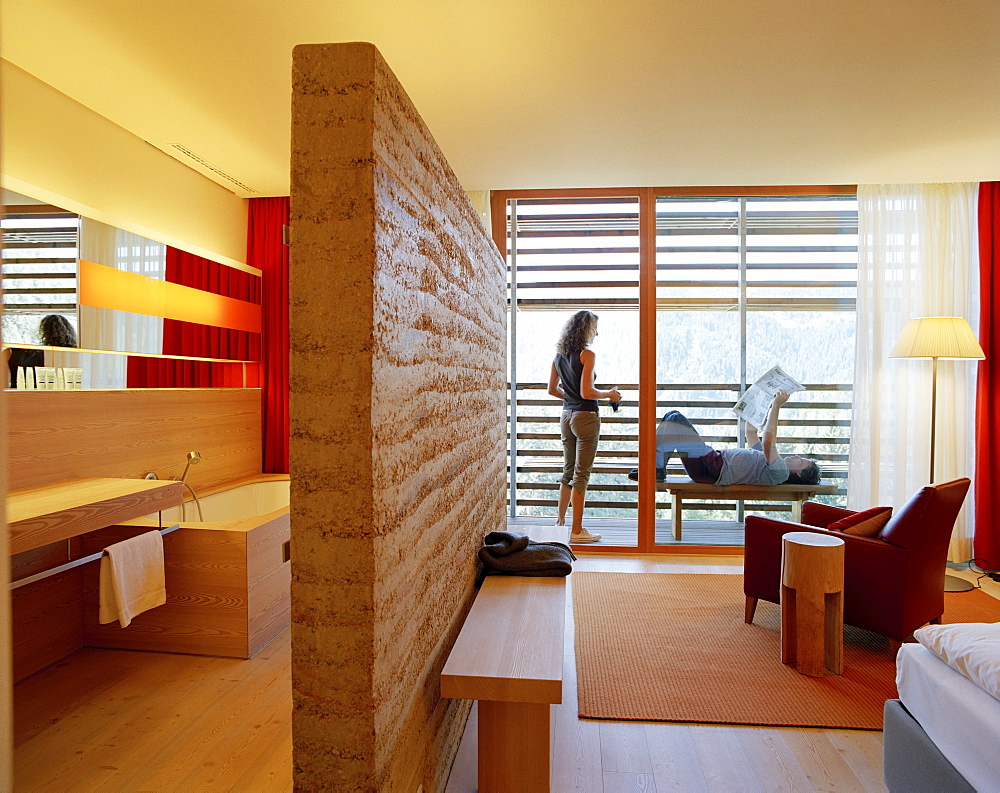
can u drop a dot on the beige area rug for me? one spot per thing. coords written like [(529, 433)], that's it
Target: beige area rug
[(666, 647)]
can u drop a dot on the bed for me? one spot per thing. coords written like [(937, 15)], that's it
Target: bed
[(943, 733)]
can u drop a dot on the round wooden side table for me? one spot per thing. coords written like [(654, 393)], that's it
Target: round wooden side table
[(812, 602)]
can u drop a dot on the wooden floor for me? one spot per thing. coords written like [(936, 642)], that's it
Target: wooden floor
[(621, 531), (118, 720), (115, 720)]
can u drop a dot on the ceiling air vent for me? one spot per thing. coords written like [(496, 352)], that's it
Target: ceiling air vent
[(209, 167)]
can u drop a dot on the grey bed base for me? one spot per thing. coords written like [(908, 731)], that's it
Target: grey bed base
[(912, 763)]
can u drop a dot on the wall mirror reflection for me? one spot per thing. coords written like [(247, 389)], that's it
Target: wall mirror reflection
[(140, 313)]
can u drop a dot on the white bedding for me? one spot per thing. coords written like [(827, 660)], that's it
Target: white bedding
[(972, 648), (961, 718)]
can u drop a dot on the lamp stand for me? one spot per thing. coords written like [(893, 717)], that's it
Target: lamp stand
[(952, 583)]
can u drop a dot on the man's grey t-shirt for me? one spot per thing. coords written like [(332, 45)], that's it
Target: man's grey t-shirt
[(749, 467)]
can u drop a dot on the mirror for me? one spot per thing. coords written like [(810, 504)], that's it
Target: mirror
[(132, 302)]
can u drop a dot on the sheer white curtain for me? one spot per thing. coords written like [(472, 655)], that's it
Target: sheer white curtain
[(103, 329), (916, 258)]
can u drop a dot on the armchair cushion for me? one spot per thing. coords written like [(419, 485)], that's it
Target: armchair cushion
[(815, 513), (867, 523)]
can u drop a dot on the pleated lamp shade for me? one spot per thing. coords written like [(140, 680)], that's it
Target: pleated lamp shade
[(937, 337)]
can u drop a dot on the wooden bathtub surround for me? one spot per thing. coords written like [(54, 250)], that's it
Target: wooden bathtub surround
[(227, 584), (397, 371), (227, 590), (509, 657), (45, 514), (55, 436)]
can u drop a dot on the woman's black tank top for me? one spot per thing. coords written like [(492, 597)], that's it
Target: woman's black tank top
[(570, 370)]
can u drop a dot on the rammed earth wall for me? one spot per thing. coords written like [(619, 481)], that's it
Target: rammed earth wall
[(397, 425)]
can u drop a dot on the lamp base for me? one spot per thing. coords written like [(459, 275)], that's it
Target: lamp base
[(952, 583)]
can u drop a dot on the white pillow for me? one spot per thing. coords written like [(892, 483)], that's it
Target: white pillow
[(972, 648)]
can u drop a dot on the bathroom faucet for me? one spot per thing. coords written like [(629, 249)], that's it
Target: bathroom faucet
[(151, 475), (193, 458)]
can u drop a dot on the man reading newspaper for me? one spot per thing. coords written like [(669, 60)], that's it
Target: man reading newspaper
[(758, 465)]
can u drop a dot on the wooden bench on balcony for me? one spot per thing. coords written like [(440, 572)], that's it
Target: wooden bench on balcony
[(680, 487), (509, 657)]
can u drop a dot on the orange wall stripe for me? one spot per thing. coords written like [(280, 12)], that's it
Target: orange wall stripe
[(106, 287)]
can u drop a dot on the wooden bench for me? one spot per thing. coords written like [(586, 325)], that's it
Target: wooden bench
[(680, 487), (509, 657)]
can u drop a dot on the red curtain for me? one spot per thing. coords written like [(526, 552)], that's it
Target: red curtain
[(202, 341), (987, 532), (267, 252)]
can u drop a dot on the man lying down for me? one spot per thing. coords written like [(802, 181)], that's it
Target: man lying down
[(758, 465)]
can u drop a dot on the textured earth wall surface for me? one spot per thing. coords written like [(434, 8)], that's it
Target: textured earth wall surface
[(397, 425)]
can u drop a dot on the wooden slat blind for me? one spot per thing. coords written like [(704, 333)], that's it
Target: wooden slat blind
[(40, 247)]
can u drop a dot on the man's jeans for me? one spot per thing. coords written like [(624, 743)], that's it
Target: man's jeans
[(677, 435)]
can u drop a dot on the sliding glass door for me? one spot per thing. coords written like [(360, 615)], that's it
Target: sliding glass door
[(698, 294), (745, 283), (566, 255)]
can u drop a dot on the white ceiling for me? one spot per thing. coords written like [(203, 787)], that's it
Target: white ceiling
[(558, 93)]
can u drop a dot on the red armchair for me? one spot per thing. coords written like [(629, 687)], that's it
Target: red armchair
[(893, 583)]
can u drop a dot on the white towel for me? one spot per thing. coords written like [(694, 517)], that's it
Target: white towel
[(132, 579)]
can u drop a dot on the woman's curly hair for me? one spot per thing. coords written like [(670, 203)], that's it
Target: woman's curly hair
[(56, 331), (577, 333)]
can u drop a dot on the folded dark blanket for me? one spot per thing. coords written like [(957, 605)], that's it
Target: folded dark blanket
[(503, 543), (512, 553)]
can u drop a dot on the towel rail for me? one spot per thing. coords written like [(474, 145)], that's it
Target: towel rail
[(31, 579)]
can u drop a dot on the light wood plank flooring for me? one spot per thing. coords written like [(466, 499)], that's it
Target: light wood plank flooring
[(623, 531), (115, 720), (607, 757), (118, 720)]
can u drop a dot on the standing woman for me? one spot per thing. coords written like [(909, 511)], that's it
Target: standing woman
[(572, 381)]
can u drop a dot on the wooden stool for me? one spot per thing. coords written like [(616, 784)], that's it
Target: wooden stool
[(812, 602)]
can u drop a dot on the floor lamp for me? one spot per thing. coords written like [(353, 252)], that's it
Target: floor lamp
[(938, 337)]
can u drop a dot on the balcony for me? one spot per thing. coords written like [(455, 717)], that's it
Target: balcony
[(816, 423)]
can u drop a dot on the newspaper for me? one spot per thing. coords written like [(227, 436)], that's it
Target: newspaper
[(756, 400)]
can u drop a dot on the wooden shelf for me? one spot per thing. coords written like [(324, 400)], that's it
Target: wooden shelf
[(49, 513)]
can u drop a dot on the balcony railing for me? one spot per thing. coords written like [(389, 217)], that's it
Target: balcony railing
[(815, 423)]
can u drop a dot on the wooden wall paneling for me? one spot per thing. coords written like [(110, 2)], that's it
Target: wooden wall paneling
[(47, 622), (269, 579), (58, 435), (6, 669), (39, 559), (206, 608)]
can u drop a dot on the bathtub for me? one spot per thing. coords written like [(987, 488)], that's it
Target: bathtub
[(228, 577), (239, 502)]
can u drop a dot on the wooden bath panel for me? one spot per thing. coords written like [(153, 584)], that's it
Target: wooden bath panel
[(227, 590)]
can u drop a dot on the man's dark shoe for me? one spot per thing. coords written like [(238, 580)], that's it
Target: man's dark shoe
[(661, 474)]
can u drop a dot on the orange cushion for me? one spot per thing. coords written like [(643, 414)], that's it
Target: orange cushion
[(867, 523)]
